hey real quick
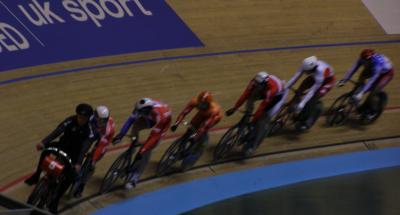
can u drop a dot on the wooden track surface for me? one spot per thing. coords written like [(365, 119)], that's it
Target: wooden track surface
[(31, 109)]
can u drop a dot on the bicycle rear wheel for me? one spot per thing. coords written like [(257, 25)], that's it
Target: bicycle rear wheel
[(340, 110), (226, 143), (369, 116), (169, 158), (115, 171)]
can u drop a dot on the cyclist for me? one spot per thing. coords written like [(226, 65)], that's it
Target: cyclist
[(268, 88), (377, 69), (319, 81), (208, 115), (105, 127), (148, 113), (76, 135)]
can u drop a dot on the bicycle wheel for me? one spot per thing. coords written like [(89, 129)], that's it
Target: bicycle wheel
[(340, 110), (226, 143), (54, 188), (115, 172), (169, 158), (369, 115), (39, 193)]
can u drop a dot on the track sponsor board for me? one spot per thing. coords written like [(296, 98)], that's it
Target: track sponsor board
[(36, 32)]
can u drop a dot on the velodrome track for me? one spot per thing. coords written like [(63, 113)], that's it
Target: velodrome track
[(240, 38)]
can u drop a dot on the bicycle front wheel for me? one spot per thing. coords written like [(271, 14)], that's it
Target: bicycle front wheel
[(169, 158), (340, 110), (116, 170), (227, 142), (39, 193)]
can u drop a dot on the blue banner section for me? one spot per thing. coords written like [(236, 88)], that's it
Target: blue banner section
[(36, 32), (187, 196)]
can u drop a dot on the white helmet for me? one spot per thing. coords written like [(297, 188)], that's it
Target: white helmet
[(261, 77), (102, 112), (309, 63), (144, 103)]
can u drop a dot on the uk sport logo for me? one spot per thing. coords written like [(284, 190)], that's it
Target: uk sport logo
[(35, 32)]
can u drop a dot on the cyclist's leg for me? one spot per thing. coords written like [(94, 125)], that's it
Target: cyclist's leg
[(133, 175), (380, 83), (138, 167), (250, 105), (365, 74), (99, 152), (305, 85), (301, 90), (279, 104), (261, 126), (197, 122), (199, 146), (256, 135), (313, 107), (326, 87)]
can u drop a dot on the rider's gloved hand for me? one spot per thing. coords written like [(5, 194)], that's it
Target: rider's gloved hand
[(116, 140), (230, 111), (39, 146), (174, 127), (341, 83)]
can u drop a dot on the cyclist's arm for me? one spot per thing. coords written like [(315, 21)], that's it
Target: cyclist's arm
[(189, 107), (111, 133), (58, 131), (294, 79), (108, 136), (128, 123), (318, 82), (244, 95), (213, 120), (352, 70), (371, 81), (155, 135), (261, 108)]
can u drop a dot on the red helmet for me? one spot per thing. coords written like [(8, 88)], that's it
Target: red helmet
[(204, 99), (366, 54)]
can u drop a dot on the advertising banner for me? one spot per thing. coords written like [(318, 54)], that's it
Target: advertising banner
[(37, 32)]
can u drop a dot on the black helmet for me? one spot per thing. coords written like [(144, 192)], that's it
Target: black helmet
[(84, 110)]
